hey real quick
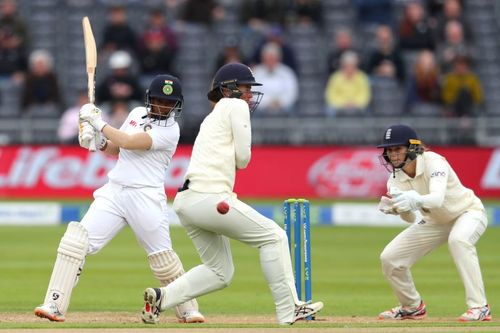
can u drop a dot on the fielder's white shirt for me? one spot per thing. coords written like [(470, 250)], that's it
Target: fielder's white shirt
[(444, 196), (223, 145), (139, 168)]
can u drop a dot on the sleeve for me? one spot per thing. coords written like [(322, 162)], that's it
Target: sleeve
[(438, 172), (164, 138), (242, 135)]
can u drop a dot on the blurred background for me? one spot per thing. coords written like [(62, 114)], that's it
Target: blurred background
[(336, 73)]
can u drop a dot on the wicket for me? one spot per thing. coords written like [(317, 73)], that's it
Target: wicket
[(301, 220)]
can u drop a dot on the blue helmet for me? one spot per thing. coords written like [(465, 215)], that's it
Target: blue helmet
[(164, 87), (229, 77), (401, 135)]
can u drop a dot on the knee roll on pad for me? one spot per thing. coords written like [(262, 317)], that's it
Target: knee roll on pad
[(75, 242), (167, 267)]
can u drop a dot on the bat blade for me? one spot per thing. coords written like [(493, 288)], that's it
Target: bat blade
[(91, 64), (90, 57)]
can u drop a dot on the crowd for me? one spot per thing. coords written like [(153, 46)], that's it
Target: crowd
[(424, 48)]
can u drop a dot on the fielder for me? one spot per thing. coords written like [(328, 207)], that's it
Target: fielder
[(211, 213), (134, 196), (424, 182)]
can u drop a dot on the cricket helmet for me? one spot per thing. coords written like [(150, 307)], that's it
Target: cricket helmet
[(228, 77), (164, 88), (400, 135)]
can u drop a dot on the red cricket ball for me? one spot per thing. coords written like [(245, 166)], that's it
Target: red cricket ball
[(222, 207)]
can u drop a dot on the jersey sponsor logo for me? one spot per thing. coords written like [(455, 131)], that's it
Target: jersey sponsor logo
[(438, 174), (133, 123)]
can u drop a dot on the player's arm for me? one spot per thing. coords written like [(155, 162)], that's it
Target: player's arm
[(118, 138), (438, 170), (242, 134)]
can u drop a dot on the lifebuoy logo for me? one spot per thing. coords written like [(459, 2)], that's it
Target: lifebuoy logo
[(350, 174)]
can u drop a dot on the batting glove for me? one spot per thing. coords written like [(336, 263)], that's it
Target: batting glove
[(407, 201), (85, 134), (89, 112), (385, 206)]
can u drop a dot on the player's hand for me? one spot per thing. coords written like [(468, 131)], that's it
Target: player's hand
[(385, 206), (407, 201), (85, 134), (89, 112)]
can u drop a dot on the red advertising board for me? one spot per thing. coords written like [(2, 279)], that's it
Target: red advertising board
[(274, 172)]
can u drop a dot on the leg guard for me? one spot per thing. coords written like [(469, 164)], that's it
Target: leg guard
[(70, 256), (167, 267)]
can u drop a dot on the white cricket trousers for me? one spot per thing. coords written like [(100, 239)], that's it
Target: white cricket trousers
[(421, 238), (143, 209), (209, 231)]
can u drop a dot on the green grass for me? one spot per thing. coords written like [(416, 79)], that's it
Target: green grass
[(346, 273)]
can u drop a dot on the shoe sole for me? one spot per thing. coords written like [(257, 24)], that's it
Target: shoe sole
[(42, 314), (405, 318), (192, 320), (462, 320), (147, 316)]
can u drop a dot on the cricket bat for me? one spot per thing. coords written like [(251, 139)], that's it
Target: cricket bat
[(91, 64)]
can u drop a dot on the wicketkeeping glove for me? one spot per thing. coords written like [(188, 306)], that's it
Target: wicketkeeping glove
[(89, 112), (407, 201), (386, 206)]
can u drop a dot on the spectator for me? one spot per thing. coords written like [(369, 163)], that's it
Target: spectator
[(386, 59), (462, 92), (374, 12), (343, 42), (415, 32), (279, 83), (231, 52), (276, 35), (259, 14), (68, 124), (307, 12), (454, 46), (452, 11), (117, 114), (13, 42), (348, 89), (158, 48), (424, 91), (40, 95), (120, 84), (118, 34), (203, 12)]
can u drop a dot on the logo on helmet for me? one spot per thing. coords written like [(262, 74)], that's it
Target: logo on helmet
[(388, 134), (167, 88)]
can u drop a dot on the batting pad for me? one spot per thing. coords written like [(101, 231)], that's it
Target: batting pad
[(70, 256), (167, 267)]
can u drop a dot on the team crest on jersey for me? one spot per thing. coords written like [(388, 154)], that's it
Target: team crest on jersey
[(168, 89)]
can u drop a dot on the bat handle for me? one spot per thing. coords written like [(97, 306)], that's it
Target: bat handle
[(92, 145)]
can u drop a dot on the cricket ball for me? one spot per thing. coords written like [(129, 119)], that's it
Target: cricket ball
[(222, 207)]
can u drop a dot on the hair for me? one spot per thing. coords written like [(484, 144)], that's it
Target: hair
[(42, 55)]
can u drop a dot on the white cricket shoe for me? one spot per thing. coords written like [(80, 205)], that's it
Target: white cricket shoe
[(191, 317), (403, 312), (307, 310), (477, 314), (49, 311), (152, 306)]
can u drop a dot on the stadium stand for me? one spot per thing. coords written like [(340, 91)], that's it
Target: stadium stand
[(55, 25)]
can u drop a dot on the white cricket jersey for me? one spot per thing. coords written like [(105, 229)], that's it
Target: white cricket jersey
[(444, 196), (223, 145), (139, 168)]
